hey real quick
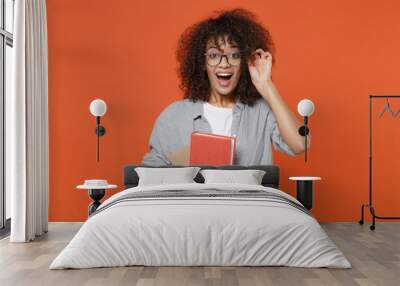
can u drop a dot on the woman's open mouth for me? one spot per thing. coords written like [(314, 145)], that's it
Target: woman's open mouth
[(224, 78)]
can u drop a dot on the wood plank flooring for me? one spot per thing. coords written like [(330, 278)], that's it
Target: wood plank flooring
[(375, 257)]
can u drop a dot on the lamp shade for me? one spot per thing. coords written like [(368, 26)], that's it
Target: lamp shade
[(98, 107), (305, 107)]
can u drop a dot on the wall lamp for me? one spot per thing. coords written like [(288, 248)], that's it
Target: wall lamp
[(98, 108), (305, 109)]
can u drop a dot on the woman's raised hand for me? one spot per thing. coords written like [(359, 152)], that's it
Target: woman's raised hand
[(260, 66)]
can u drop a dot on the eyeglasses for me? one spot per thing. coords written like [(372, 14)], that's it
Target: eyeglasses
[(214, 59)]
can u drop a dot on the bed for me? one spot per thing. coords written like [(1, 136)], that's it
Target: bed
[(201, 224)]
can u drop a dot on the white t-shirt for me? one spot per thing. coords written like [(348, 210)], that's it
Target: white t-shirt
[(220, 119)]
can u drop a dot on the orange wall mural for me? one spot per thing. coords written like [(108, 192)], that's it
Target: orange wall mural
[(335, 53)]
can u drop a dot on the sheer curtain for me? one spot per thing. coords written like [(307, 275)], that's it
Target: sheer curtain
[(27, 124)]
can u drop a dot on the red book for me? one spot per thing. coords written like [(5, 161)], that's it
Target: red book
[(211, 149)]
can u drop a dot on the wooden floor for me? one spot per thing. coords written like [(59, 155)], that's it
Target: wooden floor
[(375, 257)]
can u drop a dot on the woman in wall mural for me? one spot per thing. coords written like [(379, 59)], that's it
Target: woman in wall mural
[(225, 72)]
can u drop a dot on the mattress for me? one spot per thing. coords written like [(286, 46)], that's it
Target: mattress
[(201, 225)]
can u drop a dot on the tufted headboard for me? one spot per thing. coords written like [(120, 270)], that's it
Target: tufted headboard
[(270, 179)]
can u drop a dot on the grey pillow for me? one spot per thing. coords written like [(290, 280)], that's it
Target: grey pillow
[(249, 177), (163, 176)]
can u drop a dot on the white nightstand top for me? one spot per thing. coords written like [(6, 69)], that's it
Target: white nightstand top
[(96, 184), (305, 178), (83, 187)]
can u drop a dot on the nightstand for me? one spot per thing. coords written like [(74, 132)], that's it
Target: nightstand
[(96, 190), (305, 190)]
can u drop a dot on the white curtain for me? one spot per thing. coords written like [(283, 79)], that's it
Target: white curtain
[(27, 124)]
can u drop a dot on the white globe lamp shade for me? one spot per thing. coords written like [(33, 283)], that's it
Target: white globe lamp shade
[(98, 107), (305, 107)]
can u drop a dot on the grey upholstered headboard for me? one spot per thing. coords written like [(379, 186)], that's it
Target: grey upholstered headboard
[(270, 179)]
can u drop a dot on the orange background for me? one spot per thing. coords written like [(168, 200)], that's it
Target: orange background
[(334, 52)]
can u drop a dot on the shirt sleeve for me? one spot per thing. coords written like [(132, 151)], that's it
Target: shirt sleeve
[(157, 156), (276, 137)]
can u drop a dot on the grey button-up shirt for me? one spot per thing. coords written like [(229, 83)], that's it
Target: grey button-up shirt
[(255, 128)]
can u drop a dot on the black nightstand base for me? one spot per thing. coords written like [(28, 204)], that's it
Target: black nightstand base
[(305, 193), (96, 195)]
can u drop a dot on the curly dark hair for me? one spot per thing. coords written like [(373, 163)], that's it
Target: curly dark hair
[(240, 27)]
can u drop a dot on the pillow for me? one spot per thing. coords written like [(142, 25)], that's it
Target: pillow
[(249, 177), (164, 176)]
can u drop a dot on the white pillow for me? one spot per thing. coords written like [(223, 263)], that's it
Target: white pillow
[(249, 177), (165, 176)]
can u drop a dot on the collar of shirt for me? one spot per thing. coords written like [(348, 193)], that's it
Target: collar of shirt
[(198, 110), (202, 125)]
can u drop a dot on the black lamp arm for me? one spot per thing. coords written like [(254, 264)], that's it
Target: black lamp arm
[(99, 131), (303, 131)]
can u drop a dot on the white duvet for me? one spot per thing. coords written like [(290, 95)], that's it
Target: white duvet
[(200, 231)]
